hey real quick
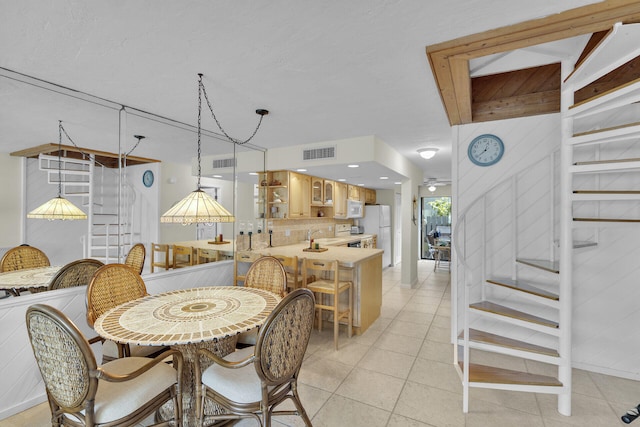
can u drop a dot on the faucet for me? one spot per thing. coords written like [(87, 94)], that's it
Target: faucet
[(310, 233)]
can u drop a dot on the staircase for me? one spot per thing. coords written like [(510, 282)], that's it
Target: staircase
[(526, 313), (96, 189)]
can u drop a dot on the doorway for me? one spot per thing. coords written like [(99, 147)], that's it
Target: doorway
[(435, 218)]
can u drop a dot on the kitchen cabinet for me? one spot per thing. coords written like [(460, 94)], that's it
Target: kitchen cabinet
[(328, 193), (340, 200), (370, 196), (299, 195), (273, 194), (353, 192), (317, 191)]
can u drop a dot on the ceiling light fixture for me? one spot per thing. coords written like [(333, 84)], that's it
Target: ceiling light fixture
[(58, 207), (353, 166), (198, 206), (431, 188), (427, 153)]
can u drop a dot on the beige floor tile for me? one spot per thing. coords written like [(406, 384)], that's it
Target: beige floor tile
[(422, 307), (436, 374), (439, 334), (617, 390), (398, 343), (415, 317), (323, 373), (409, 329), (340, 411), (373, 388), (429, 405), (349, 353), (442, 322), (400, 421), (368, 337), (438, 351), (585, 411), (380, 324), (486, 414), (523, 402), (312, 400), (387, 362)]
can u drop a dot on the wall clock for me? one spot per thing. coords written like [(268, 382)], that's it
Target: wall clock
[(485, 150), (147, 178)]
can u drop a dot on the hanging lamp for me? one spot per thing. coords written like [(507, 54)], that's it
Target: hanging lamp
[(198, 206), (58, 207)]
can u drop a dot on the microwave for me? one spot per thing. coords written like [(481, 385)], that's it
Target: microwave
[(354, 209)]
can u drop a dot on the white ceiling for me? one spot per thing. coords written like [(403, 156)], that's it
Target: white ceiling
[(326, 70)]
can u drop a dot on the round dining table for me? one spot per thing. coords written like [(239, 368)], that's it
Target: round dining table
[(31, 279), (189, 319)]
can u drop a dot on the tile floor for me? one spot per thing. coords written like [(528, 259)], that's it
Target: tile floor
[(399, 374)]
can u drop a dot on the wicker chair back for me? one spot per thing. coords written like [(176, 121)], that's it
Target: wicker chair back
[(135, 257), (22, 257), (112, 285), (267, 273), (76, 273)]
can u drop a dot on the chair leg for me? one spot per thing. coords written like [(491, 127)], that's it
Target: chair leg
[(336, 321), (350, 326), (298, 403)]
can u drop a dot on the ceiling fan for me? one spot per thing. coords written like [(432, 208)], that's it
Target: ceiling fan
[(432, 183)]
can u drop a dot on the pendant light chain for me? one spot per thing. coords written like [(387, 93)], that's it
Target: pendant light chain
[(60, 158), (260, 112), (200, 89)]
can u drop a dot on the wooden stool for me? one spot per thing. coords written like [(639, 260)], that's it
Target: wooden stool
[(207, 255), (163, 260), (183, 256)]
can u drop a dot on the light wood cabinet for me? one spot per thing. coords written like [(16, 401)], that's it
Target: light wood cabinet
[(299, 195), (317, 191), (273, 194), (340, 200), (328, 193), (353, 192), (370, 196)]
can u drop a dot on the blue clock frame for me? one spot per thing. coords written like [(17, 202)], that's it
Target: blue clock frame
[(147, 178), (492, 152)]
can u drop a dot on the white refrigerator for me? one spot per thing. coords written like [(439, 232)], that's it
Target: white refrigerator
[(377, 220)]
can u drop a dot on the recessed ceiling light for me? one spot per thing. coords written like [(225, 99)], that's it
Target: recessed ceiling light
[(342, 179), (427, 153), (253, 173), (432, 188), (353, 166), (301, 170), (216, 176), (384, 177), (360, 185), (397, 183)]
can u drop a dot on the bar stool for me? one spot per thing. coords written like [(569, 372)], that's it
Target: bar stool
[(291, 267), (183, 256), (328, 283), (207, 255), (242, 260), (164, 262)]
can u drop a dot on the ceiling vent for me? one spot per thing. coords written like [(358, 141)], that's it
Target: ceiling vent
[(224, 163), (319, 153)]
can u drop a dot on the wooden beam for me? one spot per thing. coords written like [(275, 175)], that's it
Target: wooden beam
[(574, 22), (517, 106)]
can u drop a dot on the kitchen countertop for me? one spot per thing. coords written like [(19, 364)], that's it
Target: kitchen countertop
[(346, 256)]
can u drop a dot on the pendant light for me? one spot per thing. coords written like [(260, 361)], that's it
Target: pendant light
[(58, 207), (198, 206)]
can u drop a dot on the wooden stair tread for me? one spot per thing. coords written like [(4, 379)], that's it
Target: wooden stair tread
[(491, 307), (606, 191), (578, 244), (607, 219), (552, 266), (493, 375), (606, 162), (498, 340), (523, 287)]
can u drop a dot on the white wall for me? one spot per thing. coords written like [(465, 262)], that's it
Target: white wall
[(11, 195)]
